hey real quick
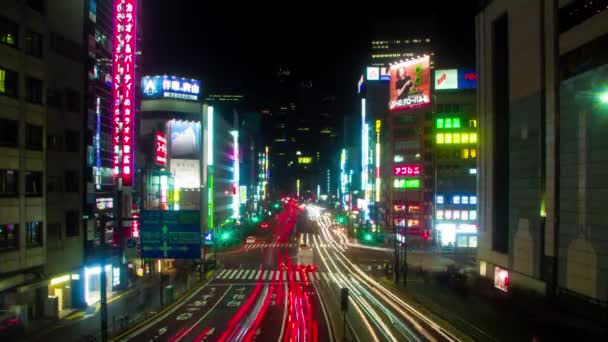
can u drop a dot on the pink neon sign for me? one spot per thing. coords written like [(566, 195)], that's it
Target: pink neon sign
[(406, 170), (124, 37)]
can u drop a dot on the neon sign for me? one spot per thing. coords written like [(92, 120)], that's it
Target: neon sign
[(411, 183), (406, 170), (161, 149), (123, 108)]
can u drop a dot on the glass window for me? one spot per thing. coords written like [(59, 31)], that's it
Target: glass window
[(462, 241), (473, 241), (473, 200), (9, 236), (33, 90), (33, 44), (464, 200), (473, 138), (440, 214), (464, 215), (71, 223), (448, 138), (456, 215), (72, 141), (36, 5), (33, 183), (456, 138), (71, 181), (440, 199), (9, 133), (54, 142), (33, 137), (9, 183), (53, 184), (473, 123), (473, 153), (448, 214), (464, 138), (8, 32), (456, 122), (440, 138), (9, 82), (473, 215), (465, 153), (33, 234), (456, 199)]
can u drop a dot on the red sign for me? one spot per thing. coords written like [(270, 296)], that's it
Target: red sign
[(161, 149), (123, 108), (406, 170)]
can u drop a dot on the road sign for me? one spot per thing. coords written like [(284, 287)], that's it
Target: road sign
[(169, 234)]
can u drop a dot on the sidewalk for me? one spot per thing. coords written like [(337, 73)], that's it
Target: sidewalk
[(125, 309)]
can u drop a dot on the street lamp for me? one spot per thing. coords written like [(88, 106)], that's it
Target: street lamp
[(604, 97)]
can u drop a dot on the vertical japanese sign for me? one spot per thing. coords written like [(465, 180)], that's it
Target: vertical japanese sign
[(124, 37), (161, 149)]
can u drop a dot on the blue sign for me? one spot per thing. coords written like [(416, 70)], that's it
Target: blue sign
[(170, 87), (467, 79), (167, 234), (209, 238)]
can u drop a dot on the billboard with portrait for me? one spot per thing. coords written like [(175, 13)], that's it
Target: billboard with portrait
[(410, 84), (185, 139)]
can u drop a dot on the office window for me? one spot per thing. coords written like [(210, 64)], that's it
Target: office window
[(8, 32), (54, 142), (448, 214), (72, 99), (33, 44), (53, 184), (9, 82), (473, 153), (33, 137), (473, 123), (33, 183), (9, 183), (71, 181), (33, 234), (9, 133), (71, 223), (464, 215), (465, 153), (440, 214), (33, 90), (36, 5), (72, 141), (9, 236)]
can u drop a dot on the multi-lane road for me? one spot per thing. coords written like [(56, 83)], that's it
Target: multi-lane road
[(286, 287)]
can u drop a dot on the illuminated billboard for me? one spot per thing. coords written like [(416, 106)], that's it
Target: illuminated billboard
[(406, 170), (373, 73), (170, 87), (123, 87), (446, 79), (410, 84), (408, 183), (186, 173), (185, 139), (161, 149)]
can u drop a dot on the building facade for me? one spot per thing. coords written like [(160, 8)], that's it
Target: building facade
[(542, 67)]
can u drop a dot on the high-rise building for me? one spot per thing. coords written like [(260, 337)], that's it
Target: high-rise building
[(42, 79), (542, 123)]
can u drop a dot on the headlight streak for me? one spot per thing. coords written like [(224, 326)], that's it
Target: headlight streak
[(393, 300), (372, 333)]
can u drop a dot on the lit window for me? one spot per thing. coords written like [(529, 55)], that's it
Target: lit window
[(448, 123), (473, 215), (456, 215), (473, 153), (464, 215), (456, 138), (448, 138), (440, 138), (464, 138), (473, 200), (448, 214), (456, 123), (440, 214), (465, 153), (473, 138), (473, 123), (456, 199), (439, 123), (464, 200), (439, 199)]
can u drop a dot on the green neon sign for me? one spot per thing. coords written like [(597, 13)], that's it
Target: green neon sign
[(407, 183)]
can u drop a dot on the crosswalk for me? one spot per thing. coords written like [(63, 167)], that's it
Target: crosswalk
[(253, 275), (281, 245)]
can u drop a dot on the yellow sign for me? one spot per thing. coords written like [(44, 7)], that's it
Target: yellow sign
[(304, 160)]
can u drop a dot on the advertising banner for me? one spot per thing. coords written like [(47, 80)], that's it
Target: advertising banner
[(410, 84), (185, 139), (170, 87), (168, 234), (449, 79), (161, 149), (186, 173)]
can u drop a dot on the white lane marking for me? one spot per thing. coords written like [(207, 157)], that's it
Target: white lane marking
[(219, 276), (238, 275), (259, 274), (270, 275), (246, 274), (233, 274), (229, 273)]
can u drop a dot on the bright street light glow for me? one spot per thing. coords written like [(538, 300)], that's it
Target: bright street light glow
[(604, 97)]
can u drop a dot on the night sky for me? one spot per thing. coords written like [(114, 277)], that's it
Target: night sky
[(238, 48)]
